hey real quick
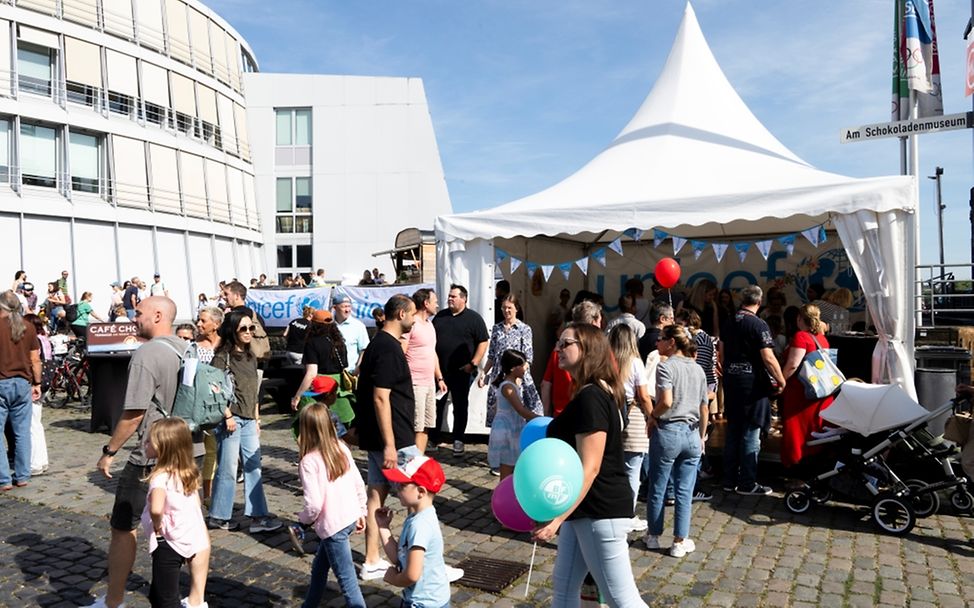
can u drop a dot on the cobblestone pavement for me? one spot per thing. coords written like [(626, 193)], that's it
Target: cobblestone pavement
[(750, 551)]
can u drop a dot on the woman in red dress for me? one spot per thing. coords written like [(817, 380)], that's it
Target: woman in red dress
[(799, 415)]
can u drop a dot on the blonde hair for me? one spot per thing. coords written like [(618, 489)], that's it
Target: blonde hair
[(840, 297), (622, 340), (173, 443), (812, 317), (316, 432)]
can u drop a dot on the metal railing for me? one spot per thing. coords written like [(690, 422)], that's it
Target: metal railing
[(944, 295)]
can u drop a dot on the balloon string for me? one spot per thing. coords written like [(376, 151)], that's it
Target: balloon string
[(669, 294), (527, 585)]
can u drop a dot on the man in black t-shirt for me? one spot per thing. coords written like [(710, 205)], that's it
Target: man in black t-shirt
[(461, 343), (130, 299), (749, 366), (384, 412)]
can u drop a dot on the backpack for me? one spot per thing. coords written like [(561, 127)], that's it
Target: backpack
[(71, 313), (203, 400)]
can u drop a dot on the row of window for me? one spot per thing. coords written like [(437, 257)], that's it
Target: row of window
[(294, 257), (111, 82), (125, 171), (168, 26), (294, 205)]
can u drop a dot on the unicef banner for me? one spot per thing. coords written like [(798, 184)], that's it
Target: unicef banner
[(365, 299), (277, 307)]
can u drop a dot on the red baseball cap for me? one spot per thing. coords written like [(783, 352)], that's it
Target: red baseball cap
[(321, 385), (420, 470)]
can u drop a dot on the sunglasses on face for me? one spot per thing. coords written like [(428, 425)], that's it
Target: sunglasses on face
[(565, 343), (247, 328)]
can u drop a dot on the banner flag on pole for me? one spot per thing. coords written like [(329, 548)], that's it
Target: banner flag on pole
[(741, 249), (500, 255), (565, 268), (532, 268), (719, 250), (764, 247), (616, 245), (582, 264), (515, 263), (599, 256), (546, 269), (917, 64), (678, 243), (658, 237), (812, 235), (789, 242)]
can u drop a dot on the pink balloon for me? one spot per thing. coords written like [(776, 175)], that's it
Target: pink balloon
[(506, 508)]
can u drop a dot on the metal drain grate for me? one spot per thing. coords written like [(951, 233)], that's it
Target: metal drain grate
[(491, 575)]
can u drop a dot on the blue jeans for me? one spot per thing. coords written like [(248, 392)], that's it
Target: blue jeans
[(334, 553), (741, 448), (598, 546), (634, 468), (15, 403), (244, 443), (674, 452)]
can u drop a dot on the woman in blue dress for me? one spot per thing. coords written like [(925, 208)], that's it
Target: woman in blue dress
[(510, 334)]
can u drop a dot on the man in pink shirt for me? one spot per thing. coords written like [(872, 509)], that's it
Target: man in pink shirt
[(424, 366)]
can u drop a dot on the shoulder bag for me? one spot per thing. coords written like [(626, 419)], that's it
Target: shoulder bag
[(819, 374)]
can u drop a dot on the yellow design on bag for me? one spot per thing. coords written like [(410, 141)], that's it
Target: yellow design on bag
[(819, 364)]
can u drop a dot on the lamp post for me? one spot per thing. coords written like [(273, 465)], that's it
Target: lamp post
[(938, 173)]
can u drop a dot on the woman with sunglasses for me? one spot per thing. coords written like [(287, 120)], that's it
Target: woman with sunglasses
[(239, 434), (594, 529)]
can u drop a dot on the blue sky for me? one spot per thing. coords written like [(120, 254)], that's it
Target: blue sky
[(523, 93)]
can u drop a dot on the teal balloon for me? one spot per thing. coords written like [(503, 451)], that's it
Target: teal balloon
[(535, 429), (547, 479)]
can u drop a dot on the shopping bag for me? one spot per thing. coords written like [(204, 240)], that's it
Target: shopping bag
[(819, 374)]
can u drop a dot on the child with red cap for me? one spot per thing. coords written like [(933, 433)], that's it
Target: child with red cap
[(418, 555)]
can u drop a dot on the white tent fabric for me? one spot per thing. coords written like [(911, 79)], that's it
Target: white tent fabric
[(873, 408), (695, 162)]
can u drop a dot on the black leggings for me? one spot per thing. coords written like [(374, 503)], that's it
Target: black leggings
[(164, 589), (458, 385)]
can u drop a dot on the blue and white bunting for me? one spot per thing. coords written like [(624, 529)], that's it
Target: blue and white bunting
[(789, 243), (566, 269), (546, 270), (698, 247), (678, 243), (500, 255), (634, 233), (599, 256), (812, 235), (616, 245), (582, 264), (532, 268), (719, 250), (741, 249), (515, 263), (658, 237), (822, 237), (764, 247)]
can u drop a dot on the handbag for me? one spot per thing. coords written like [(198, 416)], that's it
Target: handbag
[(819, 374), (958, 428), (347, 382)]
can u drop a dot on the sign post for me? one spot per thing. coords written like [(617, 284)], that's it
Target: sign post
[(902, 128)]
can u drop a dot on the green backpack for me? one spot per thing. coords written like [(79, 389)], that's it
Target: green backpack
[(203, 401)]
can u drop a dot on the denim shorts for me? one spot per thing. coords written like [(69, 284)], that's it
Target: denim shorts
[(375, 458)]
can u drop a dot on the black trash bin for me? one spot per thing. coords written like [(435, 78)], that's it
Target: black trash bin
[(945, 357), (108, 375), (934, 388)]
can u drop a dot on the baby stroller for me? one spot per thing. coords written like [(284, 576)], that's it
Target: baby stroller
[(875, 421)]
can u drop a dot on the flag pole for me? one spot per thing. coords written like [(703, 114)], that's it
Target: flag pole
[(914, 143)]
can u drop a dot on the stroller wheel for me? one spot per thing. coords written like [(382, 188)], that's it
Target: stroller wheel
[(893, 514), (962, 500), (798, 501), (821, 494), (925, 504)]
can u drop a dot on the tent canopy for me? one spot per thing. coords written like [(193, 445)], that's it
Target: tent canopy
[(695, 162)]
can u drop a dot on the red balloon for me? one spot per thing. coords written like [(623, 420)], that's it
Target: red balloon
[(667, 272)]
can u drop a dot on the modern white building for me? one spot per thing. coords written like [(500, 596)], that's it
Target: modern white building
[(342, 164), (123, 146)]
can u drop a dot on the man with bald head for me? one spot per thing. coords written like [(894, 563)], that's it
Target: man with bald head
[(153, 377)]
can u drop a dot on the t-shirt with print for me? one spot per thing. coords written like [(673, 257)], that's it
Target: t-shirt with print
[(153, 375), (296, 332), (744, 337), (384, 366), (421, 352), (689, 386), (593, 410), (421, 530), (182, 520), (131, 293)]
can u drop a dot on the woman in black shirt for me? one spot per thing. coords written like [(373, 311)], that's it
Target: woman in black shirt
[(325, 354), (594, 529)]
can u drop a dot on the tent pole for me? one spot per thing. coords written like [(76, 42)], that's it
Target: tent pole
[(915, 172)]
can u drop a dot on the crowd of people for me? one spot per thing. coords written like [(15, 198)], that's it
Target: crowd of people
[(634, 396)]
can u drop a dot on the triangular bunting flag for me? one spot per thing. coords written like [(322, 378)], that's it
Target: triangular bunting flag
[(720, 249), (582, 264), (678, 243), (515, 263), (741, 249), (812, 235), (634, 233), (616, 245), (500, 255), (789, 242), (546, 269), (599, 256), (532, 268), (822, 237), (565, 268), (698, 247), (764, 247), (658, 237)]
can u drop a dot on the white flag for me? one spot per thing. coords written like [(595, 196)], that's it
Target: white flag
[(546, 269), (515, 263)]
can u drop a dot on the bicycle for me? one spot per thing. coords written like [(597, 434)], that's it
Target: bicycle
[(70, 376)]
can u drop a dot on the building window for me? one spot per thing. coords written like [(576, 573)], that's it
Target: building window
[(302, 253), (285, 256), (293, 261), (86, 167), (38, 155), (35, 68), (302, 127), (120, 103), (283, 118), (82, 94), (5, 151), (293, 127), (186, 124), (294, 205), (155, 113)]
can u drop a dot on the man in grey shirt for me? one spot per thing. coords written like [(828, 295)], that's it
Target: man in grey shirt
[(153, 378)]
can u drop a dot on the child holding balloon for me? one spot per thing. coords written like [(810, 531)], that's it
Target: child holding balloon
[(504, 445)]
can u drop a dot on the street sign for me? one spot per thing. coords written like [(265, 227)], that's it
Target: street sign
[(902, 128)]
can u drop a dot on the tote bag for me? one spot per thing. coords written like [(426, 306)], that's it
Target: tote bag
[(819, 374)]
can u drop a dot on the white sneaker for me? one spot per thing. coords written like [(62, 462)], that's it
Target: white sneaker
[(651, 541), (370, 572), (682, 548), (100, 603), (638, 524), (185, 604), (453, 574)]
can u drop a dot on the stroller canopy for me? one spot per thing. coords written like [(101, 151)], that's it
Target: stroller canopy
[(872, 408)]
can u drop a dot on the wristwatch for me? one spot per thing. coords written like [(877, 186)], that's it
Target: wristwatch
[(108, 452)]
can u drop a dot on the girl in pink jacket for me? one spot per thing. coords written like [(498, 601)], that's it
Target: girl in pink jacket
[(330, 479)]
